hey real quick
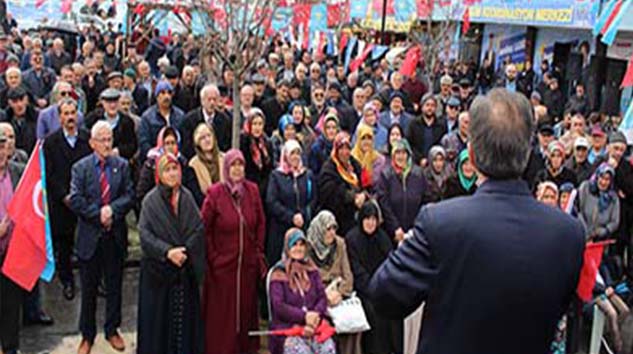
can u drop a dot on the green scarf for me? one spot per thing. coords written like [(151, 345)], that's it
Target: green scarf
[(467, 183)]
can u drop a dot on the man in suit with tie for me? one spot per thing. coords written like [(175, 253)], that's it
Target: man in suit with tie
[(497, 270), (101, 194), (62, 149)]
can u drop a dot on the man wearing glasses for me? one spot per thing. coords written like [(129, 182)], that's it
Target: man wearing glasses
[(39, 80), (62, 148), (49, 119)]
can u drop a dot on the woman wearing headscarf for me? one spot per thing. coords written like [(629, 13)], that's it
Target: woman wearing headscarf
[(370, 119), (554, 170), (305, 135), (297, 298), (599, 205), (464, 182), (547, 193), (208, 161), (328, 252), (401, 191), (285, 132), (257, 150), (290, 198), (395, 133), (166, 142), (339, 189), (371, 161), (368, 246), (234, 225), (321, 150), (437, 173), (172, 267), (599, 212)]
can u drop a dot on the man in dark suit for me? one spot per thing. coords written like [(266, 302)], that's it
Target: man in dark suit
[(497, 270), (62, 149), (221, 123), (125, 143), (101, 194)]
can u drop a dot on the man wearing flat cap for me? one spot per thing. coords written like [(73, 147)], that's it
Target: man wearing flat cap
[(124, 137), (22, 116)]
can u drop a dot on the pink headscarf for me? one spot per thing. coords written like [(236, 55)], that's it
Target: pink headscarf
[(235, 187), (284, 158)]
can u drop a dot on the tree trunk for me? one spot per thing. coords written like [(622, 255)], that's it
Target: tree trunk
[(235, 137)]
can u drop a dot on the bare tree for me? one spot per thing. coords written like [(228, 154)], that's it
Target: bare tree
[(236, 38)]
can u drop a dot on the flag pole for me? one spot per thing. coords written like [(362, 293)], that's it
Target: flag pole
[(383, 38)]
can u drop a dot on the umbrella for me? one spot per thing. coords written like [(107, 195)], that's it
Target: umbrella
[(62, 26), (322, 333)]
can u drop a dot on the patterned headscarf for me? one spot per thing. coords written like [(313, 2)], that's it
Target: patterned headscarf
[(159, 149), (543, 187), (322, 254), (294, 271), (161, 166), (604, 197), (284, 158), (259, 152), (346, 171)]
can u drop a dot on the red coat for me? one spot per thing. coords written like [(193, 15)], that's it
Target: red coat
[(235, 264)]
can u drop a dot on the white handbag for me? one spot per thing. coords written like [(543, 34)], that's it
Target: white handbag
[(349, 316)]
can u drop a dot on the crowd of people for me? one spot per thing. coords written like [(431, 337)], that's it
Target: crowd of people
[(328, 178)]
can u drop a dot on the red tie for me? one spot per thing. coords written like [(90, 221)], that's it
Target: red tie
[(105, 186)]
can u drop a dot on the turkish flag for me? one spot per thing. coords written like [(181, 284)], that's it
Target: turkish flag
[(356, 63), (302, 15), (466, 19), (411, 61), (590, 265), (39, 3), (425, 8), (627, 81), (139, 9), (27, 255)]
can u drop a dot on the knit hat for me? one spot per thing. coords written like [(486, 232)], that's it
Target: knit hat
[(617, 137), (162, 86), (131, 73)]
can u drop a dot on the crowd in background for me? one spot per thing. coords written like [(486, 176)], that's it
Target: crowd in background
[(330, 172)]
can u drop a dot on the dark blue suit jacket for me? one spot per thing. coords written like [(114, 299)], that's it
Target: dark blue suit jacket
[(85, 201), (497, 271)]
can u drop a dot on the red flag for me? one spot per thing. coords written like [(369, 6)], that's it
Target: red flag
[(39, 3), (470, 2), (627, 81), (302, 15), (425, 8), (356, 63), (66, 6), (333, 15), (26, 256), (411, 61), (139, 9), (466, 19), (591, 262), (343, 42), (612, 16)]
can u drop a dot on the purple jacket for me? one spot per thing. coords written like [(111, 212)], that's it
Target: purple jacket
[(48, 121), (287, 307)]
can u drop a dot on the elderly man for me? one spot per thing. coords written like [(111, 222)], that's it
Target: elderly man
[(247, 97), (446, 82), (48, 119), (460, 251), (12, 79), (220, 122), (101, 195), (58, 57), (39, 80), (578, 162), (160, 115), (62, 148), (184, 94), (10, 293), (23, 117), (457, 140), (123, 128), (15, 155)]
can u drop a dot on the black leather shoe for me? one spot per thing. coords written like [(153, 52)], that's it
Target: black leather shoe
[(43, 319), (69, 291)]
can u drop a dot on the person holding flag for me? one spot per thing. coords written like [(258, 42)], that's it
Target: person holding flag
[(10, 292)]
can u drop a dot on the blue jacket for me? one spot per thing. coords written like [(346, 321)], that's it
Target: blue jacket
[(497, 271), (85, 201), (151, 124), (42, 86), (385, 120), (48, 121)]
